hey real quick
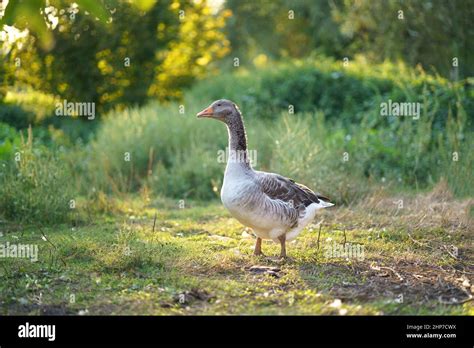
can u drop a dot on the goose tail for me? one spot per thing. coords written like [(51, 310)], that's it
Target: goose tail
[(324, 202)]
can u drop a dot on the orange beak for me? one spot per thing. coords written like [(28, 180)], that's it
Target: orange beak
[(207, 112)]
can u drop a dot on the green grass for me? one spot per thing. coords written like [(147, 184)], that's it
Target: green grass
[(197, 261)]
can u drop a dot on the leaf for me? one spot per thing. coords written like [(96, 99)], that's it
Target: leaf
[(144, 5), (95, 7), (27, 15)]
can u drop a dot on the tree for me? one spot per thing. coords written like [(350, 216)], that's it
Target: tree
[(283, 28), (132, 53), (430, 32), (436, 34)]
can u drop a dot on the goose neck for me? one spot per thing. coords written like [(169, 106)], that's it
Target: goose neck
[(237, 142)]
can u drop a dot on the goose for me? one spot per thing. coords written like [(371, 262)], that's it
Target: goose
[(273, 206)]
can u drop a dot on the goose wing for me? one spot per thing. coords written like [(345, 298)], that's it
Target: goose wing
[(287, 190)]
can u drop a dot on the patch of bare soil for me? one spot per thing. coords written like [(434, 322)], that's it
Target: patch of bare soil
[(405, 276), (409, 282), (41, 309)]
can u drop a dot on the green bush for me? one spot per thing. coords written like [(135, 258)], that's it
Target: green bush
[(16, 116), (156, 138), (35, 186), (9, 140), (185, 161), (194, 173), (176, 154), (345, 94)]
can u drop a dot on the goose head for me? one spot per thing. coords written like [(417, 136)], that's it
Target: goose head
[(223, 110)]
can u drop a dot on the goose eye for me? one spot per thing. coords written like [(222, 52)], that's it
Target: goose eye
[(218, 104)]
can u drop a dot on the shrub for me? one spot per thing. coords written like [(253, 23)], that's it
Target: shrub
[(15, 116), (35, 186), (154, 137), (339, 116), (9, 140), (345, 94)]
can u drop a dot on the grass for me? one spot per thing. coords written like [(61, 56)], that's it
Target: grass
[(198, 261)]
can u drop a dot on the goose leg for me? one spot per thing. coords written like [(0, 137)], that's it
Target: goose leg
[(258, 247), (282, 239)]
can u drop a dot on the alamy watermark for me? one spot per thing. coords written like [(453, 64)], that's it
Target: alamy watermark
[(86, 109), (25, 251), (398, 109), (37, 331), (237, 156)]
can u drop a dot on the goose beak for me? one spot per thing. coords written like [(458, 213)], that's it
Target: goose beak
[(207, 112)]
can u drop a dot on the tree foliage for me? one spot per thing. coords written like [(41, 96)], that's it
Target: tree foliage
[(282, 28), (427, 32), (136, 51)]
